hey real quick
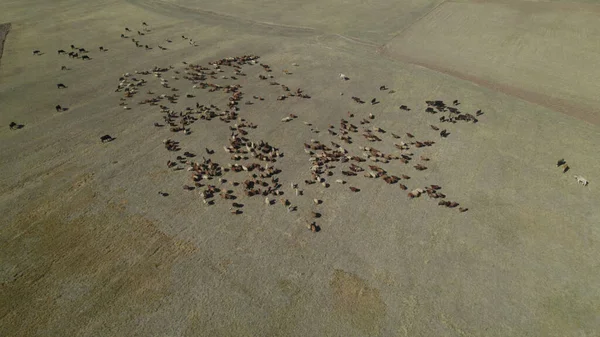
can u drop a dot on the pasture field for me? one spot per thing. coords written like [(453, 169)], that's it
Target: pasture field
[(89, 247)]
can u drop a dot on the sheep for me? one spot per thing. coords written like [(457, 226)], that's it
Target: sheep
[(61, 86), (581, 180), (106, 138), (37, 52), (313, 227)]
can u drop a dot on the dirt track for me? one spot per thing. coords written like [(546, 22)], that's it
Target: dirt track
[(4, 29)]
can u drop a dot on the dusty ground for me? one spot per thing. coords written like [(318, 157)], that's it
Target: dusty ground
[(88, 247)]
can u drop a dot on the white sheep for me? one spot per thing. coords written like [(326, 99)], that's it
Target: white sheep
[(581, 180)]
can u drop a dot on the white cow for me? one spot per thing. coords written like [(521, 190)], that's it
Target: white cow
[(582, 180)]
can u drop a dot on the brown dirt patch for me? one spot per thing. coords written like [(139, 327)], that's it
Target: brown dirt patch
[(355, 301)]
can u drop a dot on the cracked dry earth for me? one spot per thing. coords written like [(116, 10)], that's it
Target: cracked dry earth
[(265, 175)]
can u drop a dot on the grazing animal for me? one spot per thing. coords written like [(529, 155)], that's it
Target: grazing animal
[(127, 29), (344, 77), (85, 57), (420, 167), (82, 50), (404, 107), (566, 168), (64, 68), (581, 180), (106, 138), (444, 133), (73, 47), (561, 163), (455, 102), (13, 125), (58, 108), (463, 209), (61, 86), (60, 51), (354, 189), (37, 52)]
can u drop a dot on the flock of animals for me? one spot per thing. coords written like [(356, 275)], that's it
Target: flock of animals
[(563, 163), (252, 170)]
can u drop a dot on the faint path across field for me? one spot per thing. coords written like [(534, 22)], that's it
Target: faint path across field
[(4, 29), (538, 52)]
